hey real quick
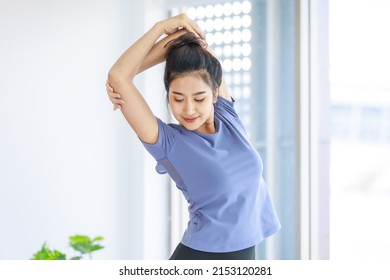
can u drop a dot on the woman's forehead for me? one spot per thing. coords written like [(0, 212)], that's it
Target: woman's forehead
[(189, 84)]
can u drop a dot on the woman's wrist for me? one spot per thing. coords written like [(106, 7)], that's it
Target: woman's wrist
[(158, 26)]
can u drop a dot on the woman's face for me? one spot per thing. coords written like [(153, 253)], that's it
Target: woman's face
[(191, 101)]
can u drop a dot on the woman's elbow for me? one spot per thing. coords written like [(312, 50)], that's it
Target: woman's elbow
[(115, 76)]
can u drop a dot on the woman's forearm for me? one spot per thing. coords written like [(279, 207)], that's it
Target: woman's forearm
[(145, 52), (130, 62), (157, 54)]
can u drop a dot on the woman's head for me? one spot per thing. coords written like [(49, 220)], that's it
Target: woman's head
[(192, 78), (188, 54)]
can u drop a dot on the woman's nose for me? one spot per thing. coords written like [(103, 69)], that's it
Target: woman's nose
[(189, 108)]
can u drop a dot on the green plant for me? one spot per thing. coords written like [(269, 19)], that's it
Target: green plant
[(85, 245), (80, 243), (46, 254)]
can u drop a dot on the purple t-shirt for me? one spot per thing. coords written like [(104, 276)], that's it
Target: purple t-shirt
[(220, 175)]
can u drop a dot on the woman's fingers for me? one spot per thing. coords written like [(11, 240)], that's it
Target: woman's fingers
[(117, 105), (192, 26), (183, 21), (115, 98), (116, 101), (112, 94)]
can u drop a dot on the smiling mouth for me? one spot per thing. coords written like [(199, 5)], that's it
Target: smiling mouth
[(190, 120)]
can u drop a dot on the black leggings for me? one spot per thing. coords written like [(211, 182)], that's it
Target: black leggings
[(185, 253)]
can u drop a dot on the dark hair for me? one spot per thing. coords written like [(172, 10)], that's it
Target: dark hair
[(187, 54)]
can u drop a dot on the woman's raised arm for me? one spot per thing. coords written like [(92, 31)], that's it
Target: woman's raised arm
[(155, 56), (144, 53)]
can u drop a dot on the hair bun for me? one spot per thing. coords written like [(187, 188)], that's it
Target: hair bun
[(186, 39)]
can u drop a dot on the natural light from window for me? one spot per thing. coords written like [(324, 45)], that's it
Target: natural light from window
[(359, 47)]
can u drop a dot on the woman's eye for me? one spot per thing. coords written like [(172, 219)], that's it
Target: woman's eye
[(179, 100), (200, 100)]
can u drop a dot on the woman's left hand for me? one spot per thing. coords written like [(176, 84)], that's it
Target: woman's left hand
[(173, 24)]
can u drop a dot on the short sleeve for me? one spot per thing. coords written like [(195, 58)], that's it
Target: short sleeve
[(224, 109), (225, 106), (165, 141)]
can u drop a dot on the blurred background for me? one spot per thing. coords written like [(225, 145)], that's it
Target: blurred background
[(360, 116), (311, 82)]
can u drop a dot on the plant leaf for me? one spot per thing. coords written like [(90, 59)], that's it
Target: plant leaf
[(41, 254), (58, 255), (96, 247), (84, 244), (79, 239), (98, 238), (46, 254)]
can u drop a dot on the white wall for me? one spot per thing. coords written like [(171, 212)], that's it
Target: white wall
[(68, 163)]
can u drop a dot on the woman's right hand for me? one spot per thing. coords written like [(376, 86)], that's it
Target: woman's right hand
[(173, 24), (114, 97)]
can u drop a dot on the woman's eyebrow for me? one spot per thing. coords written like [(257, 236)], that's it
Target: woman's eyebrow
[(182, 94)]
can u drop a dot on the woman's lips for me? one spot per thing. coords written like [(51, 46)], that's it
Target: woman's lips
[(190, 120)]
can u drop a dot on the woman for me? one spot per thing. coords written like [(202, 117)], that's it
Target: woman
[(207, 154)]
